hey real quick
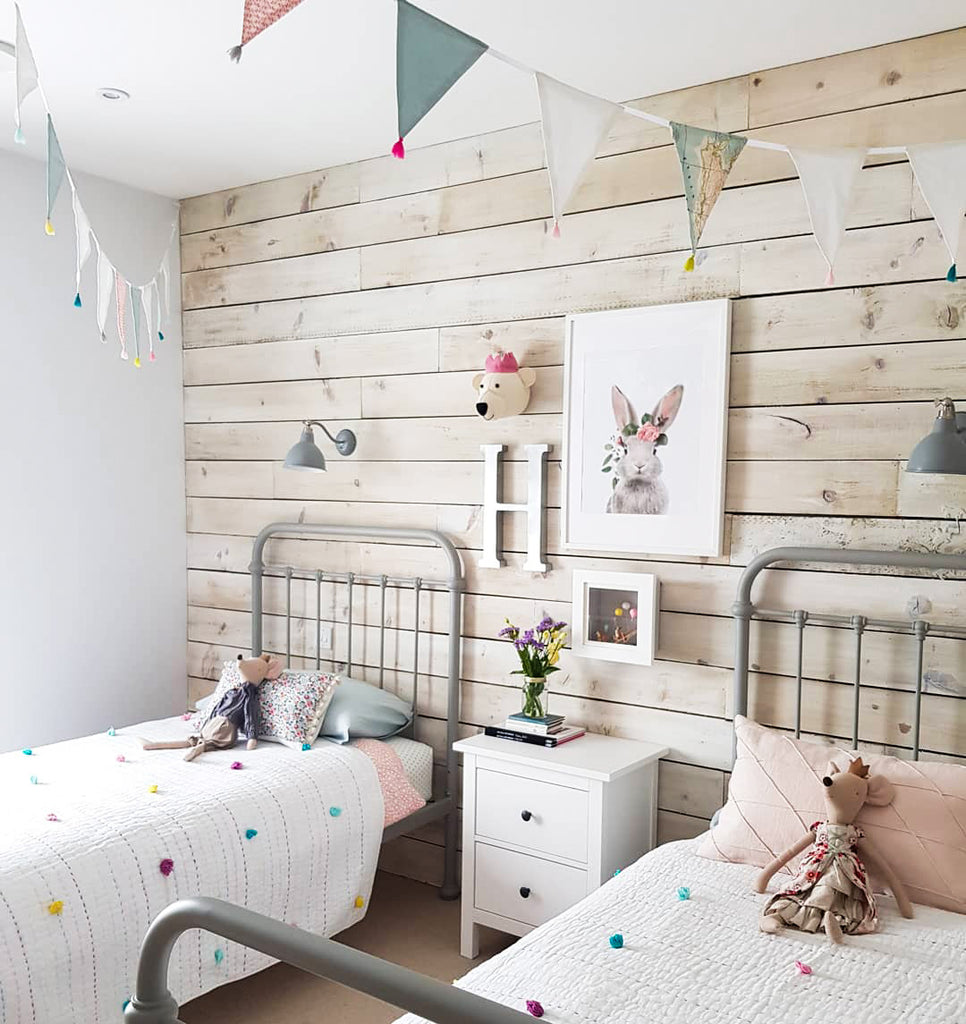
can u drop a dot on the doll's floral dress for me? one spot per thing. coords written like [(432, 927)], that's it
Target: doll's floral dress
[(831, 880)]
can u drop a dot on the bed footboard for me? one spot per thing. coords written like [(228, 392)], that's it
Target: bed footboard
[(152, 1003)]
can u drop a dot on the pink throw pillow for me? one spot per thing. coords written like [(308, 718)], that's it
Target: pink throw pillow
[(398, 793), (776, 793)]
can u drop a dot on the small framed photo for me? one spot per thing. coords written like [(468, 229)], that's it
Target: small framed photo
[(615, 616)]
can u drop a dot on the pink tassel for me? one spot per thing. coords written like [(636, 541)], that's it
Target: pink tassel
[(398, 149), (829, 278), (802, 969), (556, 230)]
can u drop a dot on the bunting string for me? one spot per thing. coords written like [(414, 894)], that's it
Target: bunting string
[(109, 279)]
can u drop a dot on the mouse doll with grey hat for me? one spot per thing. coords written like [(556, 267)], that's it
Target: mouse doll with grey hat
[(235, 713), (831, 889)]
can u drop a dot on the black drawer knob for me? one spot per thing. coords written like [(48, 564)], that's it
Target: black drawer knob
[(526, 815), (525, 891)]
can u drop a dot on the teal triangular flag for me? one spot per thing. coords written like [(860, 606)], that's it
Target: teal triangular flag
[(431, 57), (55, 171)]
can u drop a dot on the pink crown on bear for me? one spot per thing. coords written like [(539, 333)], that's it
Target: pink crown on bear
[(504, 362)]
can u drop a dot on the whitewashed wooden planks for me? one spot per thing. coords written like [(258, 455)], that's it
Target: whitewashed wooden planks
[(368, 295)]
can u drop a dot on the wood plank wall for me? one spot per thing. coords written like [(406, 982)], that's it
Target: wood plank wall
[(368, 294)]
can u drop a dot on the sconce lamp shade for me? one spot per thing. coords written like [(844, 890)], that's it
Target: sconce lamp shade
[(305, 453), (943, 449)]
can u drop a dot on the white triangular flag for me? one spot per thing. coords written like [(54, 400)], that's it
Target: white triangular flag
[(83, 228), (574, 126), (105, 285), (940, 172), (26, 73), (828, 178), (147, 304), (164, 293)]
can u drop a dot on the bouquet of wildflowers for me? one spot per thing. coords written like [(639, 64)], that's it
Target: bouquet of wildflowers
[(539, 651)]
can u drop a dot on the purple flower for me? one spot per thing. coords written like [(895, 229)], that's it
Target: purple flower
[(528, 636), (559, 625), (537, 645), (520, 645), (545, 623), (510, 631)]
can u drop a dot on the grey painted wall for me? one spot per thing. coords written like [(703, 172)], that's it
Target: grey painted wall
[(92, 513)]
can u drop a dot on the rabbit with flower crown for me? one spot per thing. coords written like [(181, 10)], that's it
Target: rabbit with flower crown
[(631, 456)]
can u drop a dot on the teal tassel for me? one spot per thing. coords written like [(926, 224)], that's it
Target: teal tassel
[(160, 336), (77, 300), (18, 137), (951, 274)]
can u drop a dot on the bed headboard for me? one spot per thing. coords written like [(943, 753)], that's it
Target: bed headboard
[(365, 645), (745, 610)]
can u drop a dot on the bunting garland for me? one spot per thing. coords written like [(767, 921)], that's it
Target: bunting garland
[(109, 279), (431, 57), (706, 161), (828, 178), (940, 172), (574, 125)]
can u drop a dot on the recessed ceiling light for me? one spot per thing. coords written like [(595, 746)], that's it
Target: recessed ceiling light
[(110, 93)]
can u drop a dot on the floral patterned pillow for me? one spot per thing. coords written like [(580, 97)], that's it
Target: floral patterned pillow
[(290, 708)]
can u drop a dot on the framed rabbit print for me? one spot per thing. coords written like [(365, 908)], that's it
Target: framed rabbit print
[(645, 429)]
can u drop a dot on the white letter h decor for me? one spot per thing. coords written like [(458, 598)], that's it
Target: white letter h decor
[(493, 506)]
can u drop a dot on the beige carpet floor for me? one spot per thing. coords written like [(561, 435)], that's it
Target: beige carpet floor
[(406, 923)]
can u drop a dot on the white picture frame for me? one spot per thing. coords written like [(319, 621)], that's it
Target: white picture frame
[(596, 626), (670, 364)]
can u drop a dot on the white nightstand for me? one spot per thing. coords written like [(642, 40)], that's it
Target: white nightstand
[(542, 827)]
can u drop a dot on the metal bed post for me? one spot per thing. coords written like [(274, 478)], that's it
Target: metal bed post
[(152, 1003)]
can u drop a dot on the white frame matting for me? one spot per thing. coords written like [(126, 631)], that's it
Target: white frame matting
[(647, 352)]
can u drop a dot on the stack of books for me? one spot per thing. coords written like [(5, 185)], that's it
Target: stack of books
[(549, 731)]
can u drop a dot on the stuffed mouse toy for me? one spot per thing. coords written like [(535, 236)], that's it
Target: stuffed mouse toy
[(237, 711), (831, 889)]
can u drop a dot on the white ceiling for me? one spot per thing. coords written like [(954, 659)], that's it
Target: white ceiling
[(317, 88)]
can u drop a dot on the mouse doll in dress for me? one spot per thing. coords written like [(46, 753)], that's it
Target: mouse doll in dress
[(236, 712), (832, 890)]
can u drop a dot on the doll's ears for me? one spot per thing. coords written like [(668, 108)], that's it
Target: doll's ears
[(881, 791)]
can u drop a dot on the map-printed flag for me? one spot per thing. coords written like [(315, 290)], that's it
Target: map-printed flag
[(706, 160), (940, 172), (828, 178), (574, 126), (431, 57)]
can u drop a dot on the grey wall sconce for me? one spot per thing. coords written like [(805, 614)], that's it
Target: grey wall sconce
[(943, 449), (305, 453)]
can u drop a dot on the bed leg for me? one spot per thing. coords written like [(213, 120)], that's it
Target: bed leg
[(164, 1011), (450, 889)]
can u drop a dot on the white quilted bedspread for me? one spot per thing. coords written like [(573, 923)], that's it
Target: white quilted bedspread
[(703, 961), (102, 860)]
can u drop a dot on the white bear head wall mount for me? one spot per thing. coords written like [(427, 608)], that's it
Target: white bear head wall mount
[(503, 389)]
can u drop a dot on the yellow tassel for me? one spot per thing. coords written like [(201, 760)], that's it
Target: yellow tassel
[(152, 789), (689, 262), (56, 907), (49, 228), (360, 902), (137, 361)]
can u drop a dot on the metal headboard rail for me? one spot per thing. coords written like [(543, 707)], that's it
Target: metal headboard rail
[(152, 1002), (454, 586), (744, 610)]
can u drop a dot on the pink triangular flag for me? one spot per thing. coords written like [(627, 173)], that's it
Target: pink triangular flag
[(259, 15), (828, 178)]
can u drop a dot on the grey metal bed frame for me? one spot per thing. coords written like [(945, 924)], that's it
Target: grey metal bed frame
[(445, 806), (153, 1004)]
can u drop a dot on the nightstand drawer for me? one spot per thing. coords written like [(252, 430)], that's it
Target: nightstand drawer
[(536, 815), (524, 888)]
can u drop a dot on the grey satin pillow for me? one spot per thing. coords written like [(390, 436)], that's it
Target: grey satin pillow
[(359, 710)]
